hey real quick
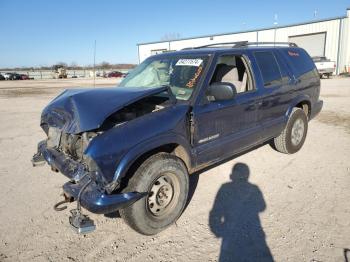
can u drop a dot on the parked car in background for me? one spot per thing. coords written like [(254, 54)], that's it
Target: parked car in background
[(24, 77), (2, 77), (324, 66), (7, 75), (132, 148), (115, 74), (15, 76)]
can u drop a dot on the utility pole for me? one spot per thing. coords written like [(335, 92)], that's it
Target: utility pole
[(94, 63), (275, 24)]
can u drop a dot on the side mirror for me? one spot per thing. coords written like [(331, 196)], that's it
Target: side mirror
[(220, 91)]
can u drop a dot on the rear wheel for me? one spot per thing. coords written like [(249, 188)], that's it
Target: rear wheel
[(293, 136), (164, 177)]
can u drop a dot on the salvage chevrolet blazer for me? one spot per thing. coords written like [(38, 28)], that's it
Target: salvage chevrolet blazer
[(132, 148)]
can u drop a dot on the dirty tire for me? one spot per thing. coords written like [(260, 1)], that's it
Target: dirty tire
[(171, 171), (283, 143)]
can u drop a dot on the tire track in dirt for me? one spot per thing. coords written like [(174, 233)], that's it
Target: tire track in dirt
[(337, 119)]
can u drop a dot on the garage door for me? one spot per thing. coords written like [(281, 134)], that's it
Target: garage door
[(314, 44)]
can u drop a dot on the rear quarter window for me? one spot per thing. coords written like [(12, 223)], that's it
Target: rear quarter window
[(269, 68), (299, 61)]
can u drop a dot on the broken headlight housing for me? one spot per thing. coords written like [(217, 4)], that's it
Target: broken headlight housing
[(95, 173)]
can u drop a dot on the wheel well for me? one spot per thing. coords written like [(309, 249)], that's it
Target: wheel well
[(174, 149), (305, 106)]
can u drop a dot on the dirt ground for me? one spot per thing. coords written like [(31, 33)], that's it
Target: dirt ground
[(299, 205)]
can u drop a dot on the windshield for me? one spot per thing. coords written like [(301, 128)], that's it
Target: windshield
[(180, 73)]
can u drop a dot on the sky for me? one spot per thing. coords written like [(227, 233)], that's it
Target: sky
[(44, 32)]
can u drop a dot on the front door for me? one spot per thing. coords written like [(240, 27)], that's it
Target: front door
[(223, 128)]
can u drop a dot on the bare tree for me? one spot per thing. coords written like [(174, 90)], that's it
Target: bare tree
[(74, 66), (104, 65), (60, 64)]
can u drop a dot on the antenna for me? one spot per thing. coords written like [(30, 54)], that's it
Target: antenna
[(94, 63), (315, 13)]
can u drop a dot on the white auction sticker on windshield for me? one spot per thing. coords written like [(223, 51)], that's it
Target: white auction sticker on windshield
[(189, 62)]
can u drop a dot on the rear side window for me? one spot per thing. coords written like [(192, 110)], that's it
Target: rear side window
[(269, 68), (300, 62)]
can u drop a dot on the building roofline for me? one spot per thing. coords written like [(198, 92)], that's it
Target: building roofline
[(247, 31)]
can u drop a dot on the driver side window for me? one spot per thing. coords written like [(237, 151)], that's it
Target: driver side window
[(233, 69)]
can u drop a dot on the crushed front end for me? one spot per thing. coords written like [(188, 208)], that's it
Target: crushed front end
[(94, 197), (64, 153), (73, 122)]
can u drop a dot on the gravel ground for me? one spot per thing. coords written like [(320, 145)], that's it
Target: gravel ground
[(296, 206)]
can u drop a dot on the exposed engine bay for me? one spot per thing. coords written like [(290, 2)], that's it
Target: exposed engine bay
[(142, 107), (74, 145)]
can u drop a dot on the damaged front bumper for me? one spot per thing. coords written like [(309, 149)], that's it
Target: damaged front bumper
[(98, 202), (93, 198)]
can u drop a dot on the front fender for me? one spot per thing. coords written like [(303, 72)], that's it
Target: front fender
[(117, 146), (129, 159)]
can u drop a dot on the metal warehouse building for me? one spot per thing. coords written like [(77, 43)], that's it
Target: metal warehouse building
[(328, 37)]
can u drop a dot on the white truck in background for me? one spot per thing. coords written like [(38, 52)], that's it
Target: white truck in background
[(324, 66)]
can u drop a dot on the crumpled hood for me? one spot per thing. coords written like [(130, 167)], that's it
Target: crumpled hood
[(79, 110)]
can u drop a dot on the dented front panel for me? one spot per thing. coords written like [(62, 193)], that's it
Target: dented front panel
[(80, 110), (109, 148), (97, 140)]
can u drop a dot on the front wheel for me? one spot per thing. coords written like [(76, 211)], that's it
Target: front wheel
[(293, 136), (165, 178)]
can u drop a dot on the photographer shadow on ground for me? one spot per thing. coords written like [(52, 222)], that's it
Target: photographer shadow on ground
[(235, 219)]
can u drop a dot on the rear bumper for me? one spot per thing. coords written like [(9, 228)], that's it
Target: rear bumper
[(316, 109), (326, 71), (93, 197)]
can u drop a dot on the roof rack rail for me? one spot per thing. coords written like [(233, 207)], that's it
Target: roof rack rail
[(291, 44), (244, 44)]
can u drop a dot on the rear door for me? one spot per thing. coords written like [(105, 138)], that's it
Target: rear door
[(277, 88)]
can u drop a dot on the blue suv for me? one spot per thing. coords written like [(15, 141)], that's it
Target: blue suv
[(132, 148)]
